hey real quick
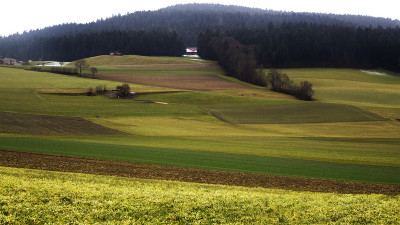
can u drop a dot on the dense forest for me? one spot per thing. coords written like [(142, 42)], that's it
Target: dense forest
[(279, 39), (83, 45), (313, 45)]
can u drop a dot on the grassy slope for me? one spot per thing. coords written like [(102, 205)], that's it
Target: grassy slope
[(183, 124), (106, 60), (152, 65), (376, 93), (36, 197)]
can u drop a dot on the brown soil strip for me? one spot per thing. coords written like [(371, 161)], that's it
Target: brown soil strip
[(192, 82), (19, 123), (395, 120), (157, 66), (127, 169)]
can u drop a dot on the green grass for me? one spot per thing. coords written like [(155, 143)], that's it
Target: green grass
[(219, 98), (335, 131), (137, 60), (144, 65), (209, 160), (377, 93), (85, 106), (382, 151), (341, 137), (39, 197)]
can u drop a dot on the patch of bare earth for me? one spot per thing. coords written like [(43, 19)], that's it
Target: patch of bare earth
[(128, 169), (18, 123), (193, 82), (197, 65)]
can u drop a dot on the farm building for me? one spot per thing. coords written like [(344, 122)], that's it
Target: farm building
[(116, 53), (191, 51), (9, 61)]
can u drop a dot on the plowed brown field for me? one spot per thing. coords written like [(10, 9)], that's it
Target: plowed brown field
[(128, 169), (18, 123), (193, 82), (198, 65)]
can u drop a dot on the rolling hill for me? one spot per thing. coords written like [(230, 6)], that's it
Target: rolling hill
[(283, 151)]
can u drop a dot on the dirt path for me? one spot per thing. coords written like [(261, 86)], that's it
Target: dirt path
[(127, 169)]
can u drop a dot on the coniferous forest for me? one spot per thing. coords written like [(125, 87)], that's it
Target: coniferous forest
[(312, 45), (83, 45)]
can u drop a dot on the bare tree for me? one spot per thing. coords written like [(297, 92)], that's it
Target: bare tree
[(94, 70), (81, 64)]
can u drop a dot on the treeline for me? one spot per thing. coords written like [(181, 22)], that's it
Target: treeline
[(239, 61), (317, 45), (82, 45), (56, 69)]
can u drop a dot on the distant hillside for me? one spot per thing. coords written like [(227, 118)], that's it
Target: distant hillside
[(190, 19), (187, 20)]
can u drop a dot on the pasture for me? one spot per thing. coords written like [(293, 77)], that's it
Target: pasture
[(337, 137), (188, 122), (376, 92)]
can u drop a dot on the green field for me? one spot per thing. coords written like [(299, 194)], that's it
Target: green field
[(209, 160), (39, 197), (350, 133), (347, 134), (144, 65), (378, 93)]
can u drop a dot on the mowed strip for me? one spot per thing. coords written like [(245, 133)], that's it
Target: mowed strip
[(192, 82), (208, 160), (17, 123), (314, 112)]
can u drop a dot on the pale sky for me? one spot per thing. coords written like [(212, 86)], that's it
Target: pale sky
[(25, 15)]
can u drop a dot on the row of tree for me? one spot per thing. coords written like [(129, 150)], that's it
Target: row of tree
[(239, 61), (280, 82), (316, 45), (83, 45)]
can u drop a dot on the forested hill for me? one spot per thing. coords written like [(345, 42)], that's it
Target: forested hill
[(179, 23), (190, 19)]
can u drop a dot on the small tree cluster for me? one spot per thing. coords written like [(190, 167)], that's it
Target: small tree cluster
[(55, 69), (100, 90), (123, 91), (280, 82)]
